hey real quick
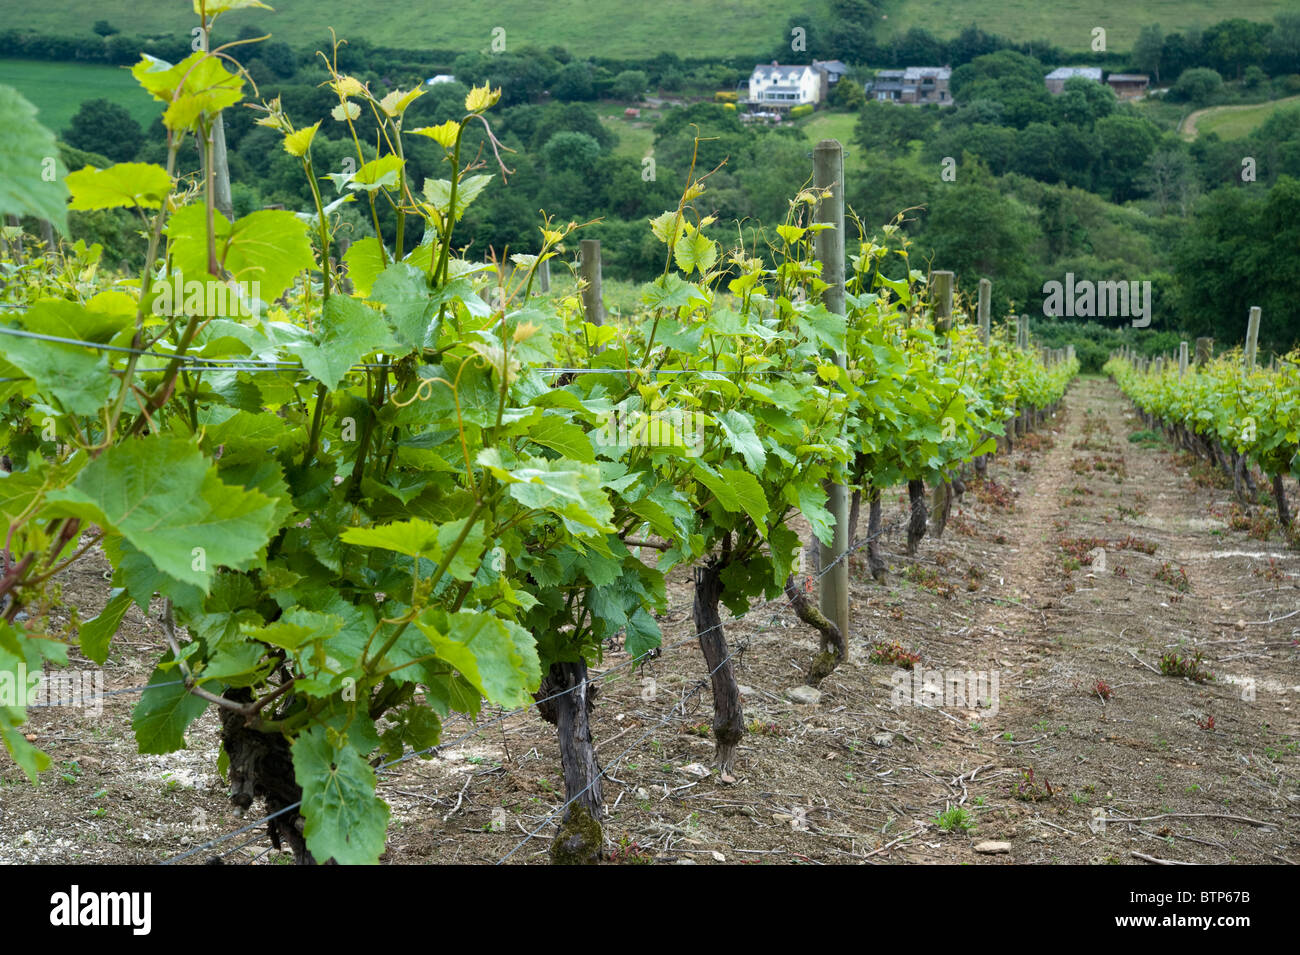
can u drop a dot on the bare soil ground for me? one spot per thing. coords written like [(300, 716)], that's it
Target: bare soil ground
[(1167, 767)]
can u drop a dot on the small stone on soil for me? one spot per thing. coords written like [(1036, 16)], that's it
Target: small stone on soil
[(804, 694)]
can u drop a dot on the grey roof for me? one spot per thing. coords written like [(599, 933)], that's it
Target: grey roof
[(832, 66), (1083, 72), (778, 73), (931, 72), (1128, 78)]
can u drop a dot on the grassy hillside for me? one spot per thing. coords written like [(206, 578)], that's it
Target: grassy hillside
[(58, 89), (1069, 23), (1234, 122), (623, 28)]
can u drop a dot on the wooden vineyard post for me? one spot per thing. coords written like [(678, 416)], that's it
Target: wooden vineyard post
[(1182, 359), (828, 173), (1022, 343), (221, 196), (982, 312), (1252, 338), (986, 293), (1204, 351), (941, 300), (589, 269), (544, 276)]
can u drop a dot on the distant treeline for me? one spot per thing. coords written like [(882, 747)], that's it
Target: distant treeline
[(1229, 47)]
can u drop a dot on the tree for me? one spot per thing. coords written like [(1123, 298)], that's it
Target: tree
[(1238, 248), (574, 82), (571, 151), (971, 43), (101, 126), (1125, 143), (1002, 65), (1083, 102), (1148, 49), (890, 128), (1284, 44), (1197, 85), (1232, 45), (847, 94), (996, 145), (630, 85), (978, 233), (1169, 179), (104, 28)]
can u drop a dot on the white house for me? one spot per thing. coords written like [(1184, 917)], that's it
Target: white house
[(440, 79), (784, 86)]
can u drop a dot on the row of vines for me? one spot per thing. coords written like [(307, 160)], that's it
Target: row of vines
[(1237, 419), (389, 486)]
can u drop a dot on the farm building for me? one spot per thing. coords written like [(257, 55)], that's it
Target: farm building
[(1055, 80), (831, 72), (1129, 85), (916, 84)]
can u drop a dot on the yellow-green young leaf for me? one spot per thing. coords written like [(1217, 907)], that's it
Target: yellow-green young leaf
[(694, 251), (790, 233), (365, 261), (736, 490), (295, 628), (412, 538), (345, 820), (347, 86), (497, 656), (345, 111), (667, 226), (31, 174), (377, 173), (269, 247), (298, 142), (214, 7), (481, 97), (165, 498), (196, 85), (396, 102), (444, 135), (438, 192), (124, 184)]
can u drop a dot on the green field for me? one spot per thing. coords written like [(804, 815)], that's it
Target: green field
[(636, 137), (614, 28), (828, 125), (1232, 123), (1069, 23), (58, 89)]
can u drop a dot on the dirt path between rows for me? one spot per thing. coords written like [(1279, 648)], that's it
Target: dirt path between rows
[(1168, 767)]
